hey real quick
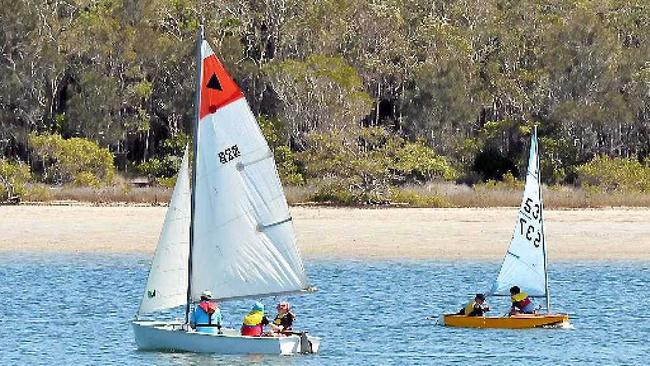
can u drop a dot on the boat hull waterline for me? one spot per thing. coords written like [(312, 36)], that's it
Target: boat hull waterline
[(169, 336), (521, 321)]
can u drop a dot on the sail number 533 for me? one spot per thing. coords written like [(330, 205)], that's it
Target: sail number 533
[(533, 210)]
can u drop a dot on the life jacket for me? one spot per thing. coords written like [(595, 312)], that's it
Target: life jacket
[(208, 306), (469, 307), (278, 320), (252, 325), (521, 300)]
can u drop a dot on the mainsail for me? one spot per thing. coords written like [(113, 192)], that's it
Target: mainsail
[(244, 243), (167, 283), (525, 261)]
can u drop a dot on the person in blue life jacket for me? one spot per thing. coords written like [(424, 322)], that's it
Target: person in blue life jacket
[(206, 317), (521, 303), (476, 307)]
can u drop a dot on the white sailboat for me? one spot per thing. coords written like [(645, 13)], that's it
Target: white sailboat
[(230, 234), (525, 263)]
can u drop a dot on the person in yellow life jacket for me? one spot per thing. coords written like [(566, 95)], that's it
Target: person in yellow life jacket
[(254, 321), (283, 322), (521, 303), (476, 307)]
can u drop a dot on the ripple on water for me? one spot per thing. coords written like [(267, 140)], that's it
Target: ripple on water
[(77, 310)]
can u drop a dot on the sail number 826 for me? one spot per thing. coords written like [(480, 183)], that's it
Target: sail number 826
[(229, 154)]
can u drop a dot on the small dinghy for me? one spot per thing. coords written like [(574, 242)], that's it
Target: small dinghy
[(229, 232), (525, 263)]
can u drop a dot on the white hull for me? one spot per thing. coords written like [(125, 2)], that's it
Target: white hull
[(169, 336)]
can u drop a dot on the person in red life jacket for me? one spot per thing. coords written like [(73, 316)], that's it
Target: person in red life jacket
[(476, 307), (206, 317), (283, 322), (254, 321), (521, 303)]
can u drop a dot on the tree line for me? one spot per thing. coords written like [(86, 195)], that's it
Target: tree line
[(461, 82)]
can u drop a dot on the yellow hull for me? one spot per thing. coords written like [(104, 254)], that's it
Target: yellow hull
[(520, 321)]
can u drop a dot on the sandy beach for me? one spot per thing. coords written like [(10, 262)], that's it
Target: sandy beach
[(392, 233)]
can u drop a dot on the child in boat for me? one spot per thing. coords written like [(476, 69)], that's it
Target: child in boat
[(521, 303), (206, 317), (476, 307), (254, 321), (283, 322)]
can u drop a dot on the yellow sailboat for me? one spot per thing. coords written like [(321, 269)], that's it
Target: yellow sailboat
[(525, 263)]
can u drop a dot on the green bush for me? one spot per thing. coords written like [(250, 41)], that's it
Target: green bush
[(13, 177), (167, 164), (86, 179), (38, 193), (415, 199), (614, 175), (369, 161), (341, 192), (508, 182), (76, 160), (419, 162), (165, 167), (167, 182), (288, 170)]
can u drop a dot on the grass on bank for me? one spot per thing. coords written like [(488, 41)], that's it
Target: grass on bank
[(429, 195)]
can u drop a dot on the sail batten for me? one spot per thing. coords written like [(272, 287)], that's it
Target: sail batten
[(524, 264)]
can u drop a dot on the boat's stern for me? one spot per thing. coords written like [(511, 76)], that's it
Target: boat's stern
[(441, 320), (299, 343)]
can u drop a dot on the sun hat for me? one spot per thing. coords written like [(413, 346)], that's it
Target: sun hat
[(258, 306)]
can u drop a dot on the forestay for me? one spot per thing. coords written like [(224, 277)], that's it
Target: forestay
[(524, 263), (244, 242), (167, 283)]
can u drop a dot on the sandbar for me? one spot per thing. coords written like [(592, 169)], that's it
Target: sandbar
[(345, 233)]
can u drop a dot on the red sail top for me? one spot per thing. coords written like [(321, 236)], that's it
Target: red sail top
[(218, 88)]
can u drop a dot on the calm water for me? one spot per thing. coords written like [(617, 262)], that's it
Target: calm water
[(75, 310)]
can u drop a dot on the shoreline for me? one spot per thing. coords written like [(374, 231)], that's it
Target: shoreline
[(395, 233)]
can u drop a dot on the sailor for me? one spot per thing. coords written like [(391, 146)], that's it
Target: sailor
[(476, 307), (521, 303), (283, 322), (254, 321), (206, 317)]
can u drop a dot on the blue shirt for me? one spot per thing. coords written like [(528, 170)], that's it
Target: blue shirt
[(199, 316)]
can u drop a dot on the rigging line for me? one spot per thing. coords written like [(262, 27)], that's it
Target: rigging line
[(513, 254), (526, 264)]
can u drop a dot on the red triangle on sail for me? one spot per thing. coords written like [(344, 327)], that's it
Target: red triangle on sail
[(218, 88)]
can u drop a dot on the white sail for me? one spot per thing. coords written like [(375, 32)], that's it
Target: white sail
[(524, 263), (244, 242), (167, 283)]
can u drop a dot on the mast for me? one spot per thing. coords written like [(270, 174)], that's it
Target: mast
[(195, 130), (541, 217)]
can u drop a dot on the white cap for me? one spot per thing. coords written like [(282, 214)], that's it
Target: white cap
[(207, 294)]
